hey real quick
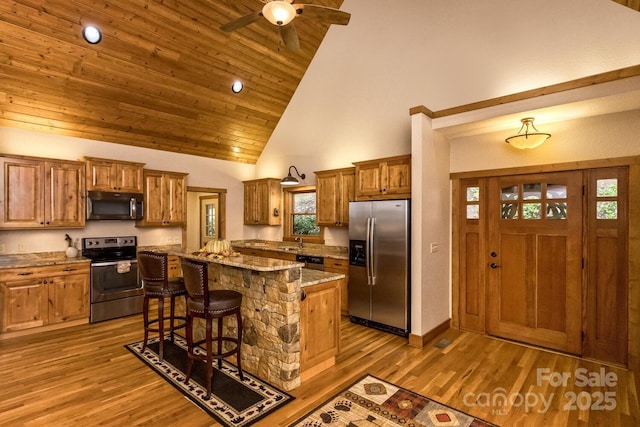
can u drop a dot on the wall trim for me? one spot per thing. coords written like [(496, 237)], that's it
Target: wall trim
[(418, 341), (609, 76)]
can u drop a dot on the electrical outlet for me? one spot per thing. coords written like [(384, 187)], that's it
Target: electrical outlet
[(2, 248), (20, 247)]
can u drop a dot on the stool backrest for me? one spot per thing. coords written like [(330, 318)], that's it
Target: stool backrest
[(153, 267), (196, 279)]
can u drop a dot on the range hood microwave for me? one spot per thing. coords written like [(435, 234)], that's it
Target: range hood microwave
[(106, 205)]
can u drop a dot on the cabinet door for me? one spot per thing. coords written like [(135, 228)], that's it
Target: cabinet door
[(174, 196), (262, 202), (128, 178), (347, 194), (319, 324), (68, 297), (24, 304), (368, 180), (328, 191), (64, 195), (100, 175), (153, 200), (397, 177), (340, 266), (250, 203), (173, 267), (22, 184)]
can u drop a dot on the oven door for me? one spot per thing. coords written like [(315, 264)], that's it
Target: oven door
[(113, 280)]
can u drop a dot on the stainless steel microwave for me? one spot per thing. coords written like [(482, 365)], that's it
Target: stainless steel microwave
[(106, 205)]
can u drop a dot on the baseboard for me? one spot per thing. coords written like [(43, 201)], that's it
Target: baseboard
[(419, 341), (40, 329)]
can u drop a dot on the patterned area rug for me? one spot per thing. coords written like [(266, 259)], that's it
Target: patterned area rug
[(232, 403), (373, 402)]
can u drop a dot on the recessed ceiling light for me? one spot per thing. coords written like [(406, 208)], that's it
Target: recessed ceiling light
[(237, 86), (235, 149), (92, 34)]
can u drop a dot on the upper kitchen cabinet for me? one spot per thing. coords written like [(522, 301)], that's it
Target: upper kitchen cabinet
[(388, 178), (165, 198), (113, 175), (334, 190), (41, 193), (262, 201)]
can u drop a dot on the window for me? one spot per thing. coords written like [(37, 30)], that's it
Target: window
[(534, 201), (300, 215), (606, 194)]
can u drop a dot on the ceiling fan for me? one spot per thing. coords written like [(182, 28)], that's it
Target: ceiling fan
[(281, 13)]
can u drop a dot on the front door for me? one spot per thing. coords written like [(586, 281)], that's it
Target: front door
[(535, 259)]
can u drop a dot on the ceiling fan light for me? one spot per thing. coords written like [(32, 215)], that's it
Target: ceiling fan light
[(279, 12), (527, 140)]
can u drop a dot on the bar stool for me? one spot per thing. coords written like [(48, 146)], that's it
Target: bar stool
[(208, 305), (153, 268)]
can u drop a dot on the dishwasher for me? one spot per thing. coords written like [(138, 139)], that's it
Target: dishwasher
[(311, 262)]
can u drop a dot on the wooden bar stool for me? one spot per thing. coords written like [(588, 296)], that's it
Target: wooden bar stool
[(153, 267), (208, 305)]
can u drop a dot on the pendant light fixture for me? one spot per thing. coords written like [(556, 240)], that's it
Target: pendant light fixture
[(527, 140), (290, 180), (279, 12)]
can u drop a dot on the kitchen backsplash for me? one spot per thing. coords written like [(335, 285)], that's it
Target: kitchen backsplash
[(28, 241)]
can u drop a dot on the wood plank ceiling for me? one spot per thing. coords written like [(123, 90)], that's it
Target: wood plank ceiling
[(160, 78)]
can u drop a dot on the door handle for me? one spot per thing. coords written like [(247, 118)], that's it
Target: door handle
[(494, 265)]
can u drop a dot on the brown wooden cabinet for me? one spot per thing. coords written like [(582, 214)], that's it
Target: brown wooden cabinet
[(39, 296), (334, 190), (319, 327), (388, 178), (113, 175), (165, 198), (42, 193), (262, 202), (335, 265), (174, 268)]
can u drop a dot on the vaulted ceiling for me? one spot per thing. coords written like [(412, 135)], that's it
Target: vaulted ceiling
[(161, 76)]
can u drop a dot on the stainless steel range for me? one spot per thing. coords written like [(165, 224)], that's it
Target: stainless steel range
[(116, 289)]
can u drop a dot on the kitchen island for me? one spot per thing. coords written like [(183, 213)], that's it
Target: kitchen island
[(291, 315)]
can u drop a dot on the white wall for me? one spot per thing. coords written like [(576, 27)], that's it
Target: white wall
[(203, 172)]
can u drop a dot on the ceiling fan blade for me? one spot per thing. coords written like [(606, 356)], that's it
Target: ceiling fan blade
[(241, 22), (289, 36), (327, 14)]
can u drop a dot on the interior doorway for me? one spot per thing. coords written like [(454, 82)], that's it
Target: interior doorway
[(206, 216)]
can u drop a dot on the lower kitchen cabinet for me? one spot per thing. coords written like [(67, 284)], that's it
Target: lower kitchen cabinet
[(335, 265), (40, 296), (319, 327), (173, 267)]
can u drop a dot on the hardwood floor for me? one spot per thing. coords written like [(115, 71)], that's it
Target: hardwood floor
[(84, 376)]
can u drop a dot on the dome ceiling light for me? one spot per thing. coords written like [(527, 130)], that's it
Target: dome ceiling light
[(527, 140)]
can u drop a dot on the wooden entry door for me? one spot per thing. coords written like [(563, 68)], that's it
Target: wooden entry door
[(535, 259)]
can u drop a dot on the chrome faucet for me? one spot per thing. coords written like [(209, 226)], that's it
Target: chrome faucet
[(301, 245)]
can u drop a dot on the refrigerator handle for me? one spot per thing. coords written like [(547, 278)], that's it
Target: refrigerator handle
[(372, 255), (367, 248)]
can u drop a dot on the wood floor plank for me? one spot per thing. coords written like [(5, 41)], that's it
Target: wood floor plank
[(83, 376)]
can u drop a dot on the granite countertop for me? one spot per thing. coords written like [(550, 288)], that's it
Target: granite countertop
[(314, 277), (38, 259), (248, 262), (312, 249)]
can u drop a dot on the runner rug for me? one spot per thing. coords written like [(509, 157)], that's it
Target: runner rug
[(233, 403), (374, 402)]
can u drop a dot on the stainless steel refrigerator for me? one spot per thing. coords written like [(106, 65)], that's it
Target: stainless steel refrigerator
[(379, 264)]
